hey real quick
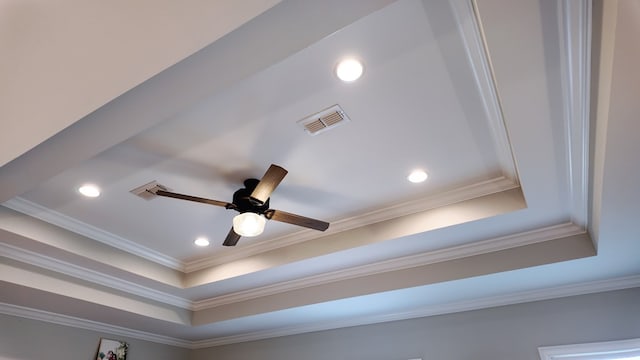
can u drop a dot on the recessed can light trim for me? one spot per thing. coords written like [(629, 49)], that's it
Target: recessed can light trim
[(201, 241), (349, 69), (89, 190), (417, 176)]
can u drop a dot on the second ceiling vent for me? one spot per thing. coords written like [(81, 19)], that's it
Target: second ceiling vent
[(324, 120)]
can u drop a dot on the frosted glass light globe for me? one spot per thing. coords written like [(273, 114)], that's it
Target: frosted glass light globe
[(249, 224)]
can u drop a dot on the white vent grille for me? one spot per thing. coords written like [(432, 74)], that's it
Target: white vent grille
[(148, 191), (324, 120)]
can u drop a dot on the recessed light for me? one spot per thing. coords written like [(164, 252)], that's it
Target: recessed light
[(349, 70), (201, 241), (417, 176), (89, 190)]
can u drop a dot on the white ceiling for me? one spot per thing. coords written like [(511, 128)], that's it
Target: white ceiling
[(491, 98), (74, 56)]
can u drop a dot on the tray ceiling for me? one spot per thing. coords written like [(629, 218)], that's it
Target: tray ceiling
[(491, 106)]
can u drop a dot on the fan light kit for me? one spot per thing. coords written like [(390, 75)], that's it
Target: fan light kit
[(89, 190), (349, 70), (249, 224), (417, 176), (252, 202)]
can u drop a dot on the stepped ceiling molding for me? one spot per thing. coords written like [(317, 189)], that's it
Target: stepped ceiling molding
[(519, 113)]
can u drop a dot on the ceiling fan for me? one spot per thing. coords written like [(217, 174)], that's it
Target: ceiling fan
[(252, 202)]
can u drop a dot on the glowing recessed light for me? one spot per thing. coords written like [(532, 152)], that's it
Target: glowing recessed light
[(89, 190), (201, 241), (349, 70), (417, 176)]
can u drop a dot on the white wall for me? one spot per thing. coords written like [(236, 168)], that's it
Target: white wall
[(25, 339), (505, 333)]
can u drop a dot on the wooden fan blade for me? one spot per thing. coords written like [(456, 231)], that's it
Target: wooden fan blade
[(232, 238), (294, 219), (193, 198), (268, 183)]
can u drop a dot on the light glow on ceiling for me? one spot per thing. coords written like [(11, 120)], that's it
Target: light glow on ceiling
[(417, 176), (201, 241), (349, 70), (89, 190)]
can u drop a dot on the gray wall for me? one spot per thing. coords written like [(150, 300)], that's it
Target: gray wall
[(25, 339), (505, 333)]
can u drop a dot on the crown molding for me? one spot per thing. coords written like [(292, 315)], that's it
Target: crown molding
[(96, 277), (475, 248), (488, 302), (432, 310), (447, 254), (472, 34), (68, 223), (479, 189), (65, 320), (430, 257), (575, 28), (53, 217), (574, 25), (604, 51)]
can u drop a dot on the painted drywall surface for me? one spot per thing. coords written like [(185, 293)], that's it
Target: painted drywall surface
[(25, 339), (510, 332), (63, 59)]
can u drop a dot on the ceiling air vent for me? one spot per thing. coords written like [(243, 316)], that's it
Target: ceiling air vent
[(324, 120), (148, 191)]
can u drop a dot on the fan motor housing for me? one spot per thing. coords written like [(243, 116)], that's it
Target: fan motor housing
[(243, 202)]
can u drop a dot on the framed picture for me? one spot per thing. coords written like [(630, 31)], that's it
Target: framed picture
[(112, 350)]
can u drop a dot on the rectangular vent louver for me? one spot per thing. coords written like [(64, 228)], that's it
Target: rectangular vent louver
[(324, 120), (148, 191)]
